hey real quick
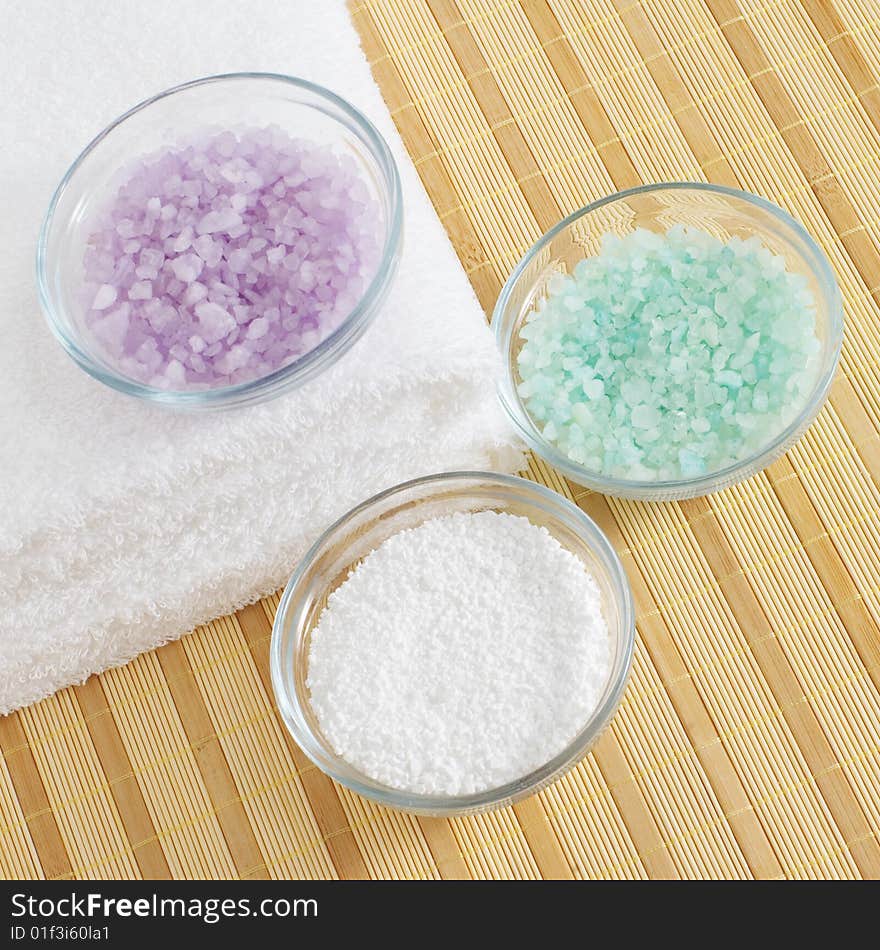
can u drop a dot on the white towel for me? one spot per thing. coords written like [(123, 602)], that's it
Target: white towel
[(123, 525)]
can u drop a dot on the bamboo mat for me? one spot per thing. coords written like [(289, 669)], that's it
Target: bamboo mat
[(749, 740)]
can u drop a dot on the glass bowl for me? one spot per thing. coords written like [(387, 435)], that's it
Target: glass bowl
[(723, 212), (236, 100), (355, 535)]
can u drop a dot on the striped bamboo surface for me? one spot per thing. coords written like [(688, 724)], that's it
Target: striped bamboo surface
[(749, 740)]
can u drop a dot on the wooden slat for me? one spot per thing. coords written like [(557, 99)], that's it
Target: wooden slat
[(126, 792), (27, 787), (320, 789), (212, 764), (441, 841), (798, 713)]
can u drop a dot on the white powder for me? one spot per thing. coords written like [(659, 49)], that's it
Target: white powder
[(459, 655)]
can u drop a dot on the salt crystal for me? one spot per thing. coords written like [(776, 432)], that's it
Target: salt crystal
[(223, 234), (215, 221), (594, 389), (187, 267), (235, 358), (239, 260), (183, 240), (105, 296), (446, 694), (148, 354), (644, 417), (160, 319), (194, 293), (112, 328), (175, 373), (674, 327), (142, 290), (258, 328), (215, 322)]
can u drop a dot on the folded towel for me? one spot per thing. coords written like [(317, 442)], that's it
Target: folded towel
[(123, 525)]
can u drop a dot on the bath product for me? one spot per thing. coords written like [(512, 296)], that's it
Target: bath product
[(223, 259), (460, 655), (669, 356)]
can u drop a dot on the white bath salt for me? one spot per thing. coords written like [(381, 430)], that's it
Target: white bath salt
[(459, 655)]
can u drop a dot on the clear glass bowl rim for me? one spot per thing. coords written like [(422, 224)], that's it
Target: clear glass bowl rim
[(302, 369), (283, 679), (703, 484)]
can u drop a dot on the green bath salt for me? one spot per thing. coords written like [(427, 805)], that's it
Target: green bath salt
[(669, 356)]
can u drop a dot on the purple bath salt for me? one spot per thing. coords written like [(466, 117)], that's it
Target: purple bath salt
[(224, 259)]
